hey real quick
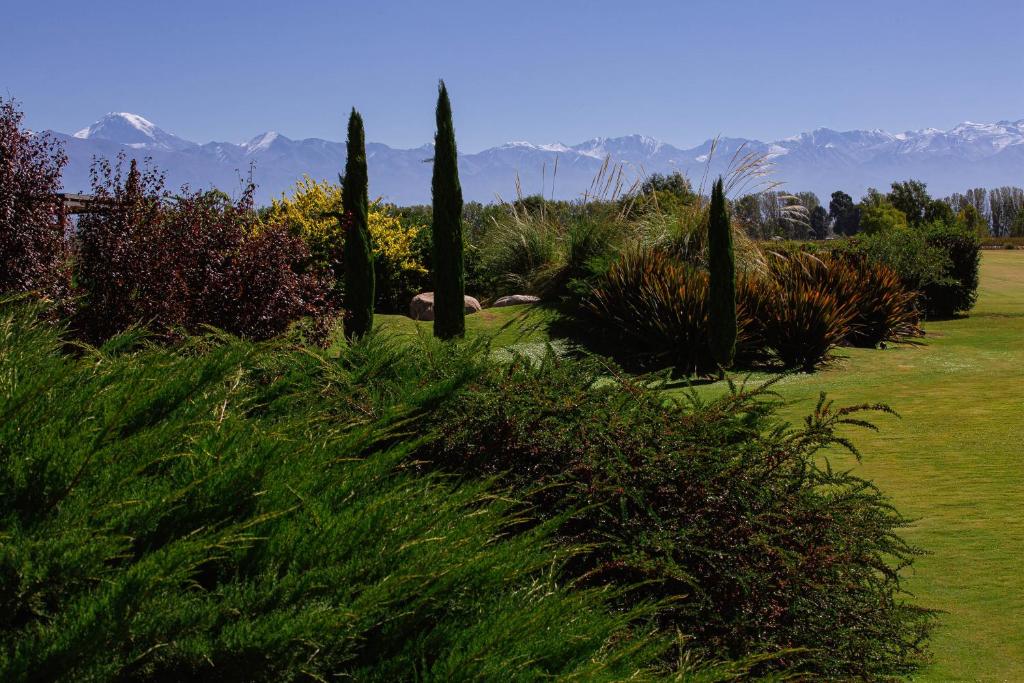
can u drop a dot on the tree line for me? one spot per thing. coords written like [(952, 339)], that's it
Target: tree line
[(996, 212)]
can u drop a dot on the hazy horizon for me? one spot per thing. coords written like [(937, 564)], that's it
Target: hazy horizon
[(613, 135)]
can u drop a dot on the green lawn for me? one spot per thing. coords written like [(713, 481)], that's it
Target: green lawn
[(510, 325), (954, 460)]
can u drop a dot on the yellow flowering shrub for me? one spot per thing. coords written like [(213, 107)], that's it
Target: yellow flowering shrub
[(392, 241), (312, 209)]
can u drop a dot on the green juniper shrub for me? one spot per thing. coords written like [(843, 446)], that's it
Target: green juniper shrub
[(755, 542), (214, 512), (225, 511)]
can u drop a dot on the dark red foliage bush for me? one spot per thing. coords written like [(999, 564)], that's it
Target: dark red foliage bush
[(178, 263), (261, 292), (33, 249)]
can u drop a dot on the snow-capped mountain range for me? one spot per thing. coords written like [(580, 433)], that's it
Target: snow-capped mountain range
[(967, 155)]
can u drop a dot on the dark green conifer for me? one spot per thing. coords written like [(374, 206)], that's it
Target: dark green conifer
[(722, 280), (449, 278), (358, 254)]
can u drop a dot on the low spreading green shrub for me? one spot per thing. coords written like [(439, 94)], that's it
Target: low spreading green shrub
[(225, 510), (739, 522), (231, 512)]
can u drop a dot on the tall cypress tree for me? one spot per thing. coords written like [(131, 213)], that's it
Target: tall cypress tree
[(358, 254), (722, 283), (449, 279)]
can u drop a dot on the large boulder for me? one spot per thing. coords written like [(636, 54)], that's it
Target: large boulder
[(422, 306), (516, 300)]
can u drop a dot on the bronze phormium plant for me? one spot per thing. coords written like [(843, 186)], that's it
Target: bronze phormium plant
[(654, 310), (804, 315), (886, 312)]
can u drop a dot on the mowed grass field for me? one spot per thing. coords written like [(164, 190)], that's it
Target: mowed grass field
[(953, 460)]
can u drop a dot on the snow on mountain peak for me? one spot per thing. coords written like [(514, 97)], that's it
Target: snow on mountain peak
[(261, 142), (626, 146), (513, 144), (119, 120), (523, 144), (138, 122), (821, 160), (133, 131)]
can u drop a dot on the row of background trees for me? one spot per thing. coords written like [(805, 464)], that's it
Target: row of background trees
[(998, 212)]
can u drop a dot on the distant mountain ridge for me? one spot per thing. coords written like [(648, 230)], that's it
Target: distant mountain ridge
[(823, 160)]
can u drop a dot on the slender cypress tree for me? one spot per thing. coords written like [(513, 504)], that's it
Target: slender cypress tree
[(722, 282), (449, 279), (358, 254)]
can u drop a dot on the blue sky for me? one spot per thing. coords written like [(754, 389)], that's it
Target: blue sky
[(539, 71)]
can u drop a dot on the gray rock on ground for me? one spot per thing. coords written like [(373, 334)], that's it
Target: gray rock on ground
[(422, 306), (516, 300)]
